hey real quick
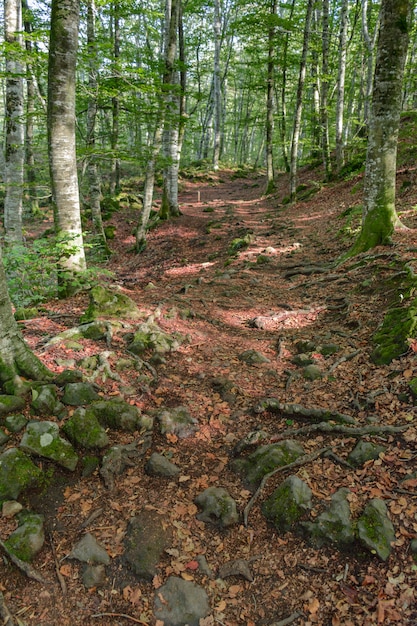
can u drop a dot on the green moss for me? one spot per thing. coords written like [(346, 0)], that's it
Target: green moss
[(399, 324)]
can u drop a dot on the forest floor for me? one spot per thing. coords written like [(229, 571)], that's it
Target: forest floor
[(190, 281)]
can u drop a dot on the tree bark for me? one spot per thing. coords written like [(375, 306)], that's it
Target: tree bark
[(61, 141), (270, 88), (217, 85), (379, 217), (324, 115), (341, 76), (14, 142)]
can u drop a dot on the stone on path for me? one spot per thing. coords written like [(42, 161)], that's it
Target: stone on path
[(180, 602)]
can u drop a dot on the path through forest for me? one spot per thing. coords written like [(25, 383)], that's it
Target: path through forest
[(238, 272)]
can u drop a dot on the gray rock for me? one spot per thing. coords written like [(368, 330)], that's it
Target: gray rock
[(177, 421), (3, 437), (328, 349), (43, 439), (83, 429), (267, 458), (180, 602), (364, 451), (89, 550), (312, 372), (116, 460), (302, 359), (287, 503), (79, 394), (149, 336), (375, 529), (11, 508), (159, 465), (96, 330), (10, 404), (218, 507), (145, 541), (116, 414), (15, 423), (252, 357), (94, 576), (28, 538), (17, 473), (334, 525), (110, 303), (45, 401), (68, 376)]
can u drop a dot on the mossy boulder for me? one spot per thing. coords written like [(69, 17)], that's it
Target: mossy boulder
[(10, 404), (218, 507), (28, 538), (390, 339), (375, 529), (45, 401), (79, 394), (117, 414), (335, 524), (287, 504), (43, 439), (312, 372), (84, 429), (267, 458), (17, 473), (364, 451), (149, 336), (110, 303), (68, 376)]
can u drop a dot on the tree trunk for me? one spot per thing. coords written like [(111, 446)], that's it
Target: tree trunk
[(94, 181), (370, 43), (324, 116), (217, 85), (270, 103), (16, 359), (379, 214), (61, 141), (14, 142), (299, 102), (115, 169), (341, 74)]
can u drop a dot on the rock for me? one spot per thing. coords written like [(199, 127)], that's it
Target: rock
[(391, 337), (17, 473), (287, 503), (94, 576), (149, 336), (413, 548), (68, 376), (364, 451), (327, 349), (177, 421), (237, 567), (159, 465), (83, 429), (43, 439), (116, 414), (267, 458), (79, 394), (110, 303), (312, 372), (305, 345), (252, 357), (375, 529), (96, 330), (218, 507), (89, 465), (26, 313), (15, 423), (116, 460), (302, 359), (3, 437), (334, 525), (45, 401), (11, 508), (10, 404), (89, 550), (254, 438), (28, 538), (180, 602), (145, 541)]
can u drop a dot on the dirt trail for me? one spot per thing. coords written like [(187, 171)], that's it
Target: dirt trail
[(267, 296)]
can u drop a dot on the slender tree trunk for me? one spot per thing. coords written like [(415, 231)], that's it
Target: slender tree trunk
[(94, 181), (61, 140), (14, 143), (299, 102), (270, 89), (324, 114), (341, 74), (283, 99), (217, 85), (115, 170), (370, 43), (379, 214)]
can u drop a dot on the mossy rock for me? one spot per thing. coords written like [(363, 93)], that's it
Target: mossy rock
[(364, 451), (149, 336), (390, 339), (68, 376), (25, 313), (335, 524), (287, 504), (116, 414), (375, 529), (218, 507), (79, 394), (15, 423), (45, 401), (84, 429), (147, 537), (110, 303), (17, 473), (43, 439), (10, 404), (28, 538), (267, 458)]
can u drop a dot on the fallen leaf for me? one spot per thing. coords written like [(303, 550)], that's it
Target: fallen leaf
[(192, 565)]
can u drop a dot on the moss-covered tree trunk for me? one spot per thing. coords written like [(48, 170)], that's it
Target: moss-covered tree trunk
[(379, 214), (16, 359)]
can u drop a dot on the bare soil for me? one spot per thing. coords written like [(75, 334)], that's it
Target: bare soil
[(192, 284)]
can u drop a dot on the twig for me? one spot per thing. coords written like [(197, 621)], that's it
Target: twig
[(132, 619), (302, 460), (288, 620), (24, 567), (60, 577), (342, 359)]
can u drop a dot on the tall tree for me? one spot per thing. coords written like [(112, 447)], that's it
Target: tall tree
[(379, 214), (14, 144), (61, 140), (217, 85), (341, 76), (270, 88)]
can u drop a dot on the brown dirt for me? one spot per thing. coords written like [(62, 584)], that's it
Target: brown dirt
[(204, 293)]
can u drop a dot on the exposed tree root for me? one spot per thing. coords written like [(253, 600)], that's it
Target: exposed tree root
[(22, 565), (297, 410), (350, 431)]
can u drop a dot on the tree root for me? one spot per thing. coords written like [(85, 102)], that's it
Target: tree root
[(22, 565), (350, 431), (297, 410), (302, 460), (343, 359)]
